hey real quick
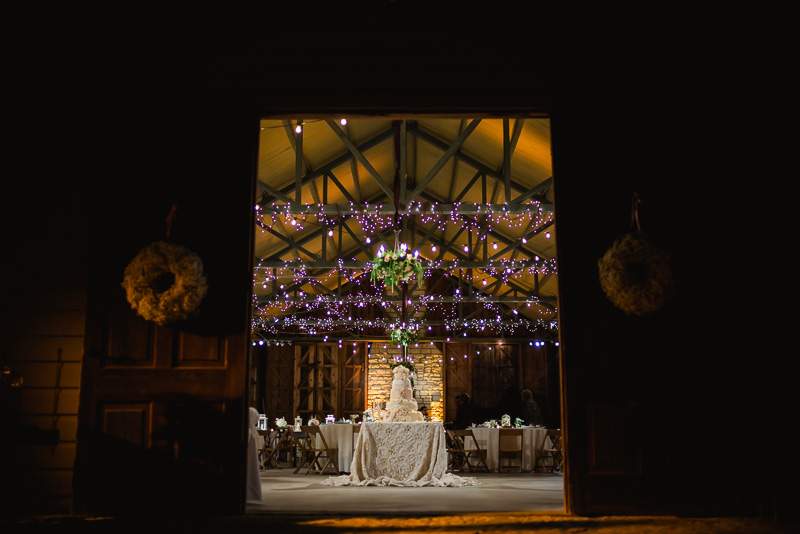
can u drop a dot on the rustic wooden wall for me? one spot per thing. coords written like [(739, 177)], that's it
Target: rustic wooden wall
[(43, 303)]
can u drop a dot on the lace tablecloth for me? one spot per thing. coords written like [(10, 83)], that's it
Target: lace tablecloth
[(400, 454)]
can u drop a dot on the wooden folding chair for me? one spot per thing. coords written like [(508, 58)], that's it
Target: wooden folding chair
[(314, 449), (277, 444), (550, 450), (456, 455), (264, 452), (509, 447), (475, 455)]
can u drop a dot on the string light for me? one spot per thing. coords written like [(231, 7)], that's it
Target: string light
[(367, 220)]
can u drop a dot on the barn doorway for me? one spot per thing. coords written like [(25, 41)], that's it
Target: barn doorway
[(473, 197)]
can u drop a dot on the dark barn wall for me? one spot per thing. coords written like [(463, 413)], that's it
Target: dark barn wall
[(43, 305), (683, 378)]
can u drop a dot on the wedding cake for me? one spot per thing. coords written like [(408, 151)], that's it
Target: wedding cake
[(401, 408)]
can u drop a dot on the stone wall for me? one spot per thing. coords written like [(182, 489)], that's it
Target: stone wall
[(428, 380)]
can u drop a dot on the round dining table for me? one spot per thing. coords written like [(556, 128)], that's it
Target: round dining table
[(489, 439), (340, 436)]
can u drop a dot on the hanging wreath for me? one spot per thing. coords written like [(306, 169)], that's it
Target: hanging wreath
[(404, 336), (165, 282), (636, 275), (396, 267)]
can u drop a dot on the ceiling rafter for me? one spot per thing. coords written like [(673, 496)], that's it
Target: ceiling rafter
[(341, 188), (381, 206), (512, 243), (305, 168), (454, 168), (519, 199), (344, 158), (354, 168), (293, 245), (528, 294), (359, 155), (462, 261), (414, 129), (449, 152)]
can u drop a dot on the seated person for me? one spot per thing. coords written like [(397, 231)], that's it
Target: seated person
[(466, 412)]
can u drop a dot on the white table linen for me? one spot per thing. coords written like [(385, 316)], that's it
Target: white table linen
[(400, 454), (488, 439), (253, 467), (340, 436)]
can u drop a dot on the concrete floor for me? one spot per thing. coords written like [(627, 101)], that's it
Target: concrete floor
[(504, 504), (287, 493)]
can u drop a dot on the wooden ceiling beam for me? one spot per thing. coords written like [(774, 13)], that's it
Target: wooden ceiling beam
[(454, 169), (293, 245), (387, 208), (468, 186), (531, 192), (498, 176), (449, 152), (354, 168), (402, 171), (359, 155), (511, 243), (341, 188), (344, 158)]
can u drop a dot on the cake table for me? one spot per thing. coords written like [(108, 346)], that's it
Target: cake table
[(400, 454)]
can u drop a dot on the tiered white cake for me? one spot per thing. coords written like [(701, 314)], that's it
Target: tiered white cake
[(401, 408)]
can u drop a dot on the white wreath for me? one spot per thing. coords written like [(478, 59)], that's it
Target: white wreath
[(636, 275), (152, 266)]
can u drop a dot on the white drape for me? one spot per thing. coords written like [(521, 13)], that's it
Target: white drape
[(253, 470)]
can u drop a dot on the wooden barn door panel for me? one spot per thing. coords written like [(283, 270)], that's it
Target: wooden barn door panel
[(316, 379), (495, 376), (279, 383), (165, 406), (328, 385), (457, 375), (353, 393), (305, 380)]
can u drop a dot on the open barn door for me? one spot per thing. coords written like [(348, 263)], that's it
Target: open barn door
[(162, 407)]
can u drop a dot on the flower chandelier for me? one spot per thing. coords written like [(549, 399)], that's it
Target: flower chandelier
[(404, 336), (397, 266)]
